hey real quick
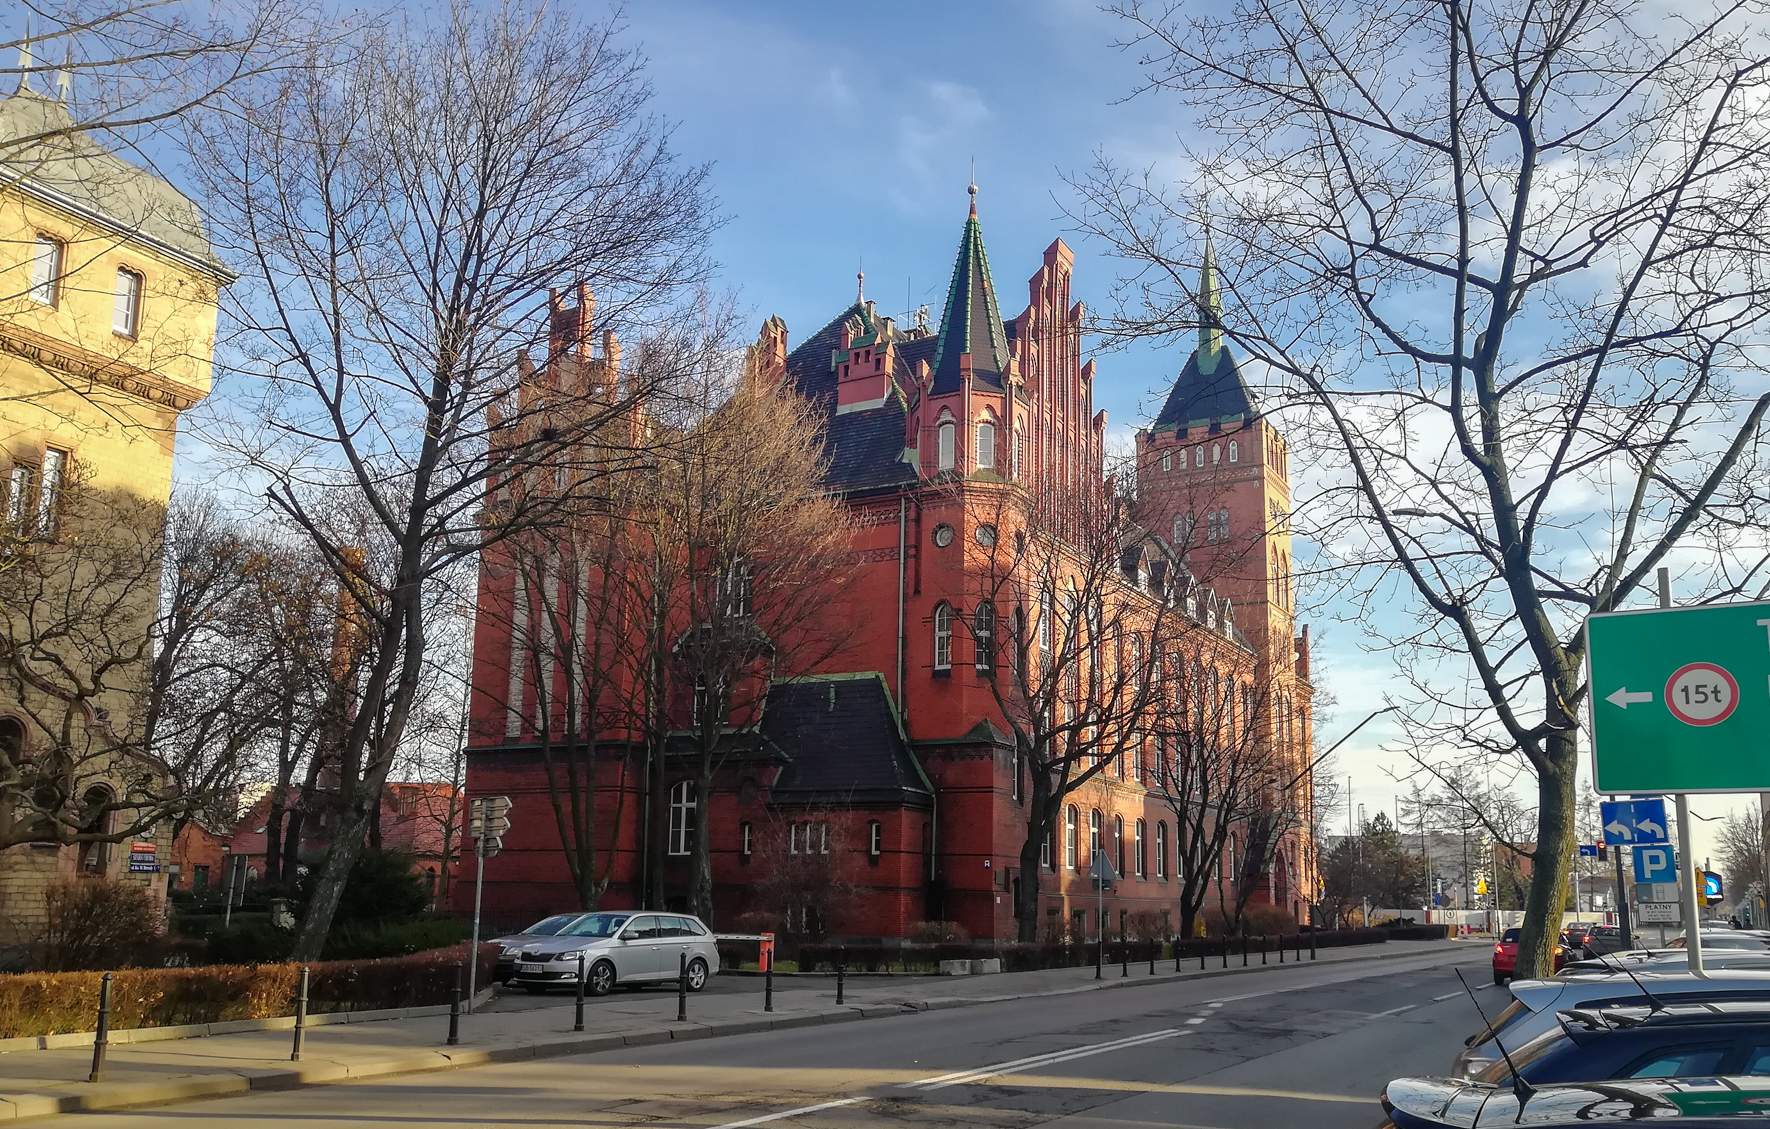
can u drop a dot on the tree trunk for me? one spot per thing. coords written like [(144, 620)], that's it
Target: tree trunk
[(700, 887), (1026, 896), (1556, 800)]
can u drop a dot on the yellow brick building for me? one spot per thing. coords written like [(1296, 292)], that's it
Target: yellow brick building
[(108, 291)]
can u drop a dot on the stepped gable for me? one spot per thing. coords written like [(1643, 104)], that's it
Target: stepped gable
[(844, 743), (971, 325), (865, 448)]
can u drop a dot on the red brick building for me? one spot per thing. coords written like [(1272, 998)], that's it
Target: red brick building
[(891, 779)]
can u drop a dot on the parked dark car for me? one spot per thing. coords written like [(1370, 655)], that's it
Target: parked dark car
[(1575, 936), (1602, 939), (1505, 956), (1675, 1103), (1680, 1039)]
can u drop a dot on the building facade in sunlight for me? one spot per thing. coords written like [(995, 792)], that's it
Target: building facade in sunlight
[(885, 781)]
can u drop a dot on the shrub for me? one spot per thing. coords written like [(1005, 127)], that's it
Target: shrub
[(382, 886), (51, 1003), (938, 932), (249, 941), (1269, 919), (394, 938), (96, 923)]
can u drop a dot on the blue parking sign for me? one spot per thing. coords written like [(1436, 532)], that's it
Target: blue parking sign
[(1655, 864)]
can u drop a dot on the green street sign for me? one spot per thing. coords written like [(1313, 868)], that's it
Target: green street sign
[(1680, 699)]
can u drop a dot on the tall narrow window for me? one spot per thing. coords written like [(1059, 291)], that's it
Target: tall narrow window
[(46, 270), (983, 633), (682, 809), (1140, 853), (1069, 837), (740, 588), (1161, 850), (20, 485), (1048, 848), (746, 840), (1118, 844), (49, 491), (1198, 456), (943, 637), (946, 443), (1235, 451), (1167, 461), (1183, 531), (1096, 830), (126, 314), (875, 838), (1019, 451), (986, 446), (1216, 453), (1019, 641)]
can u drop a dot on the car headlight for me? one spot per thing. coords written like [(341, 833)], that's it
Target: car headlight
[(508, 952), (579, 955)]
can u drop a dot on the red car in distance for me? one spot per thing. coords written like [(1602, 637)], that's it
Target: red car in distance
[(1505, 956)]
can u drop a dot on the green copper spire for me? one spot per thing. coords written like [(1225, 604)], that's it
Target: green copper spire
[(971, 325), (1210, 312)]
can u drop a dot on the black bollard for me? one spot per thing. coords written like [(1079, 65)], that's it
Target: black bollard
[(578, 1015), (1281, 948), (1124, 955), (455, 1008), (1100, 955), (1311, 947), (1201, 954), (1244, 950), (1226, 952), (1263, 946), (1299, 947), (300, 1016), (682, 987), (102, 1039), (1155, 948), (841, 971), (768, 983)]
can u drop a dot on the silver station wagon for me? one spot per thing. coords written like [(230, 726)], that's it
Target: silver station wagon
[(628, 949)]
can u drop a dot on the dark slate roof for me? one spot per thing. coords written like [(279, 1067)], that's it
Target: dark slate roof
[(971, 323), (843, 743), (866, 448), (1216, 395)]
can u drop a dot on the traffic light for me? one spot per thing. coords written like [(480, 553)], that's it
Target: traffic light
[(1603, 853)]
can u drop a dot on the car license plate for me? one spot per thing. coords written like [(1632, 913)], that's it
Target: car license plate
[(531, 968)]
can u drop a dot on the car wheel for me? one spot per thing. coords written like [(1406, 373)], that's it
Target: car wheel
[(1499, 978), (697, 974), (601, 980)]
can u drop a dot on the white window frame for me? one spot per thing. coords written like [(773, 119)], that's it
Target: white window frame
[(946, 444), (20, 482), (46, 268), (683, 803), (1161, 850), (943, 636), (983, 634), (1235, 451), (50, 479), (1118, 844), (1069, 837), (986, 445), (1140, 855), (1216, 453), (875, 838), (1096, 833), (1198, 456), (126, 306), (1167, 461), (746, 839)]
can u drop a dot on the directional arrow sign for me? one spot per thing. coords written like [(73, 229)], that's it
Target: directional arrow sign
[(1680, 700), (1633, 821)]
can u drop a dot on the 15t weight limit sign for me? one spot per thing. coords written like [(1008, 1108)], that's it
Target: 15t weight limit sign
[(1681, 699)]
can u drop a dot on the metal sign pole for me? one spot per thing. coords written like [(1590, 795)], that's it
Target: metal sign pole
[(1687, 882), (479, 885), (1622, 901)]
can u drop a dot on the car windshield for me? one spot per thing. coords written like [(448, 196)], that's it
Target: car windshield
[(548, 926), (1509, 937), (1515, 1010), (596, 925)]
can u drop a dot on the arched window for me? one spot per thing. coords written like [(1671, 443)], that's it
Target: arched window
[(682, 809), (126, 311), (1161, 850), (946, 443), (943, 637), (1140, 854), (1167, 461), (1183, 525), (1198, 456), (97, 816), (1235, 450), (1118, 844), (1019, 451), (1216, 453), (1095, 830), (983, 633), (1069, 837), (1019, 641), (986, 445)]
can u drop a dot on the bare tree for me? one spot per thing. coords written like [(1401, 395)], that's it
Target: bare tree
[(751, 568), (1743, 844), (400, 213), (1505, 260)]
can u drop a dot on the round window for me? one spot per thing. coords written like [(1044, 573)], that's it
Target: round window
[(943, 536), (986, 535)]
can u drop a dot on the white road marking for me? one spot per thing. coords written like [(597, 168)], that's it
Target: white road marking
[(958, 1078), (1446, 996), (1200, 1019), (1219, 1004), (1394, 1011), (789, 1113)]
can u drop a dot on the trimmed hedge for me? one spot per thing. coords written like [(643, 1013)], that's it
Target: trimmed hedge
[(55, 1003), (1021, 957)]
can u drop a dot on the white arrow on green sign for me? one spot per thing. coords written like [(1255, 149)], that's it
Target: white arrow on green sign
[(1681, 699)]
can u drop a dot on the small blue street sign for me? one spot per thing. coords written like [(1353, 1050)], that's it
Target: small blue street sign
[(1711, 886), (1588, 850), (1633, 822), (1655, 864)]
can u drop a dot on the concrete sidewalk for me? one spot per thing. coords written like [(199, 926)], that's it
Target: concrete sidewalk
[(36, 1083)]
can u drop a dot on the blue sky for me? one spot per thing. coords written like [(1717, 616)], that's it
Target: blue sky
[(844, 135)]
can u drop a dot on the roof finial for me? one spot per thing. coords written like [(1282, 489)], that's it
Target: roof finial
[(860, 286), (26, 64), (973, 189)]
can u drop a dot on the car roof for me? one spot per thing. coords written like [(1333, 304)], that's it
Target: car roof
[(1679, 1101), (1539, 994)]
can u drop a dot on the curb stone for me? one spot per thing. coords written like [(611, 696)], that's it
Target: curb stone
[(111, 1096)]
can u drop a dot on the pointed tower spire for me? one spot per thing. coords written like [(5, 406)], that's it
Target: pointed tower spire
[(26, 64), (64, 77), (972, 337), (1210, 311)]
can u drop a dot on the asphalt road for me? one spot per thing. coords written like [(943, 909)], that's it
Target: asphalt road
[(1310, 1046)]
